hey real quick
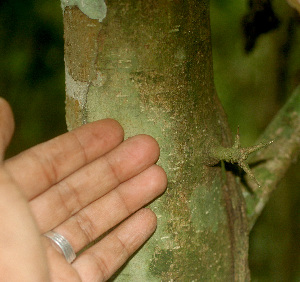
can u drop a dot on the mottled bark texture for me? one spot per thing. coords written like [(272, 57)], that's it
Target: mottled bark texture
[(148, 64)]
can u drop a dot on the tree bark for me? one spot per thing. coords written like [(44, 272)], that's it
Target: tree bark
[(148, 64)]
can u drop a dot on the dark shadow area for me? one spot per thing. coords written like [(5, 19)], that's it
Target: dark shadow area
[(32, 70), (237, 171)]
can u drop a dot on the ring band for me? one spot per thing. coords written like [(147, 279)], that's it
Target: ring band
[(63, 244)]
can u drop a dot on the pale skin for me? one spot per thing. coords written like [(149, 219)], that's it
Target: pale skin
[(80, 184)]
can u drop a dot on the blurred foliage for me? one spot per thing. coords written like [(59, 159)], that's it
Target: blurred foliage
[(32, 69), (252, 88)]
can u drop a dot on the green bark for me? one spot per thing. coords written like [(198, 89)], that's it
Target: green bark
[(148, 64)]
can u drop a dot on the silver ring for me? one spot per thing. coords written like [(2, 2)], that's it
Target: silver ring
[(63, 245)]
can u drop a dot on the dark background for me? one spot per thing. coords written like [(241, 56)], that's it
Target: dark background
[(252, 86)]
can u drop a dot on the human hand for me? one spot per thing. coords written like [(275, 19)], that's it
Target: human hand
[(80, 185)]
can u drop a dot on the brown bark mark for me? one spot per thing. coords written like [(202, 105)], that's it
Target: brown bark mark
[(82, 36), (81, 44), (237, 226), (230, 220)]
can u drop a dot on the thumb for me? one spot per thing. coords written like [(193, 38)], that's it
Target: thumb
[(7, 126)]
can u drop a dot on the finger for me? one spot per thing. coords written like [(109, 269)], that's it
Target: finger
[(93, 181), (102, 260), (105, 213), (6, 126), (42, 166)]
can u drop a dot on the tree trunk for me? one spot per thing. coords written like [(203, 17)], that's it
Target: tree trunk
[(148, 64)]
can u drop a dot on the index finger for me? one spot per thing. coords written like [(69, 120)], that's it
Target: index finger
[(37, 169)]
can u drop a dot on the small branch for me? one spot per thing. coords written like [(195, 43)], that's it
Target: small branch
[(271, 163), (237, 154)]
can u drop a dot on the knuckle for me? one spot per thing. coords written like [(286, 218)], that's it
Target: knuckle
[(86, 226)]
